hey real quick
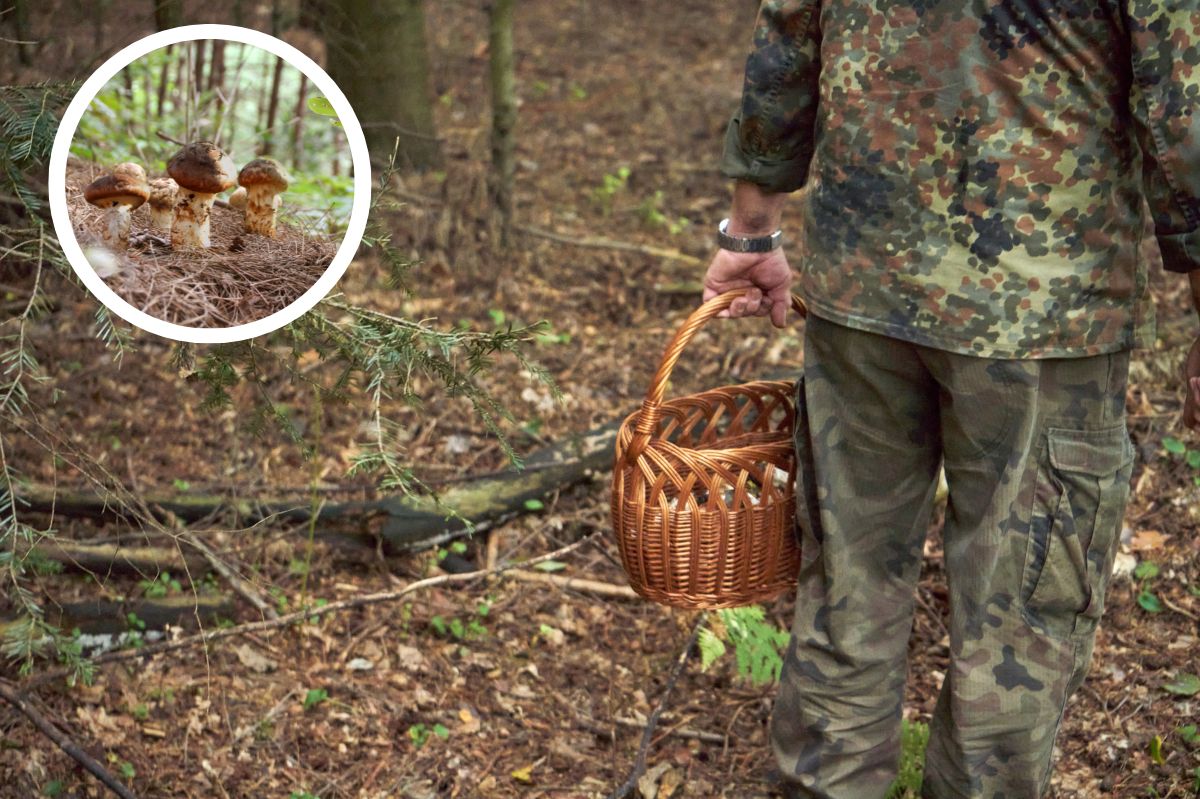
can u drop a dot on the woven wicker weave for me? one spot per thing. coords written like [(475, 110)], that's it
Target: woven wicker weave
[(703, 502)]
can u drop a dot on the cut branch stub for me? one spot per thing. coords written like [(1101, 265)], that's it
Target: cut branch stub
[(263, 179), (118, 194), (202, 171)]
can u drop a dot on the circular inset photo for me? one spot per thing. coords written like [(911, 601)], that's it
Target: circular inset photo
[(210, 188)]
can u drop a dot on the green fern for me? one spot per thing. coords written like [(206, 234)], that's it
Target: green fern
[(756, 642)]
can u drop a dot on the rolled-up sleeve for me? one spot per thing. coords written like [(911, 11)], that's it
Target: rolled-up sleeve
[(1165, 102), (769, 141)]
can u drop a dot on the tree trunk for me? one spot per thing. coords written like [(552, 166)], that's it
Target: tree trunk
[(200, 49), (504, 112), (216, 74), (164, 77), (269, 136), (20, 12), (168, 14), (298, 131), (378, 56)]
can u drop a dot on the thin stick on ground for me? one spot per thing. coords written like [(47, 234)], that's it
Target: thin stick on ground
[(232, 577), (14, 698), (308, 613), (639, 764)]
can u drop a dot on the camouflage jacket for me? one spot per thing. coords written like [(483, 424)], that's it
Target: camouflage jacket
[(992, 177)]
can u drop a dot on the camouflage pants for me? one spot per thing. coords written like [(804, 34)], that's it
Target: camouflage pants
[(1038, 463)]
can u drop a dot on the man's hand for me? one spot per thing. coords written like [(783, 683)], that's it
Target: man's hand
[(1191, 384), (766, 274)]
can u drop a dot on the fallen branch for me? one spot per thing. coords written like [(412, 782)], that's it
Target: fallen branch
[(235, 581), (575, 584), (405, 523), (596, 727), (610, 244), (308, 613), (639, 764), (11, 695)]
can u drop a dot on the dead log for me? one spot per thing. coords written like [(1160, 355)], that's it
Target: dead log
[(108, 559), (404, 524)]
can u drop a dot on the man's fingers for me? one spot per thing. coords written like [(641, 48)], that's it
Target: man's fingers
[(779, 314)]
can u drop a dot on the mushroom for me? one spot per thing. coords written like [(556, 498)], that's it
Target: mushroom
[(238, 199), (202, 172), (118, 195), (263, 179), (162, 203)]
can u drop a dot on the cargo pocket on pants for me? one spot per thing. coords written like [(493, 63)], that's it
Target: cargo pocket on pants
[(808, 512), (1082, 487)]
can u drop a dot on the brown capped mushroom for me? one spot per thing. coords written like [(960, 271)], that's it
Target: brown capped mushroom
[(162, 203), (202, 172), (238, 199), (118, 195), (263, 179)]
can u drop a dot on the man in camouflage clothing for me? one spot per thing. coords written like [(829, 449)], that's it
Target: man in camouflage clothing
[(986, 185)]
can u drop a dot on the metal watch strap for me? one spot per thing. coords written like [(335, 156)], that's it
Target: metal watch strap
[(747, 243)]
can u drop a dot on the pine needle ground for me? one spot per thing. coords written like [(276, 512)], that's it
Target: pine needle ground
[(240, 278)]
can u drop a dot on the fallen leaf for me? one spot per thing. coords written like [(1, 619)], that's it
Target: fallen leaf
[(1148, 540), (254, 660), (1184, 685), (523, 774), (470, 722)]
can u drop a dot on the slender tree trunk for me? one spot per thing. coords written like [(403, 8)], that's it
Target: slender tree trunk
[(164, 77), (216, 73), (168, 14), (20, 18), (298, 131), (268, 142), (198, 76), (504, 112), (378, 56)]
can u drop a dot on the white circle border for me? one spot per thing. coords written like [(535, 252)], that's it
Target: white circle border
[(58, 189)]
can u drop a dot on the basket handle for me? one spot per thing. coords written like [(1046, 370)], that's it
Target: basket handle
[(648, 417)]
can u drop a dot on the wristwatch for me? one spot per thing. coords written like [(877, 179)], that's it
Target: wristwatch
[(747, 243)]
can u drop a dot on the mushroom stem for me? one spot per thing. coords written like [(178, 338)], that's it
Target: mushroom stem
[(190, 228), (160, 218), (116, 226), (260, 210)]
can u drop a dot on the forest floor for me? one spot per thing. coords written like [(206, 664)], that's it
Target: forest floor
[(498, 687)]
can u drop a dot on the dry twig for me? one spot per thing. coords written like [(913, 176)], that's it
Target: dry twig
[(14, 697), (307, 613), (639, 764)]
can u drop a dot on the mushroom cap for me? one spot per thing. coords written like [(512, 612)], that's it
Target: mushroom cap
[(162, 192), (126, 185), (238, 198), (202, 167), (264, 172)]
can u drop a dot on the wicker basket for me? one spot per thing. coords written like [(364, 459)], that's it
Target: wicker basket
[(703, 499)]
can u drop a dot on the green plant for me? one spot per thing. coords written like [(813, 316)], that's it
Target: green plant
[(160, 587), (1180, 452), (314, 697), (756, 642), (1189, 734), (914, 736), (1145, 572), (54, 788), (419, 733), (650, 210), (610, 185)]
